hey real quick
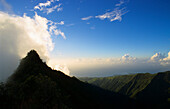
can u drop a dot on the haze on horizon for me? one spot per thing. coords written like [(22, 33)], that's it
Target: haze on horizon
[(86, 38)]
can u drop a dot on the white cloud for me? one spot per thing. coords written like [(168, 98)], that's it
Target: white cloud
[(18, 35), (41, 6), (116, 14), (59, 9), (87, 18), (45, 7), (53, 30), (161, 59), (60, 23), (166, 61), (167, 58), (157, 57), (128, 58), (50, 10)]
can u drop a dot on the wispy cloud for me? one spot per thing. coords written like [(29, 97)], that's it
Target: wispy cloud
[(50, 10), (41, 6), (47, 8), (112, 15), (72, 24), (54, 30), (60, 23), (120, 3), (116, 14), (87, 18)]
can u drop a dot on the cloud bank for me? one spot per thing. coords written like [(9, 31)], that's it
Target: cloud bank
[(127, 64), (20, 34)]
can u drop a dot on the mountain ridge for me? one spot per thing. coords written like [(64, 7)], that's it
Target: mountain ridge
[(35, 85), (144, 87)]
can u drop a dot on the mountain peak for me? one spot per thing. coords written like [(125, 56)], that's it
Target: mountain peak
[(30, 65), (32, 56), (32, 52)]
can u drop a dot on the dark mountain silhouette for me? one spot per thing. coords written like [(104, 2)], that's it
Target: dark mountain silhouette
[(34, 85)]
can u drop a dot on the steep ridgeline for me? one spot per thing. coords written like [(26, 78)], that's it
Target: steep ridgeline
[(126, 84), (145, 87), (34, 85), (158, 90)]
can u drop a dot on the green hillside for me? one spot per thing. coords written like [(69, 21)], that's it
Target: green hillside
[(157, 90), (144, 87), (129, 85)]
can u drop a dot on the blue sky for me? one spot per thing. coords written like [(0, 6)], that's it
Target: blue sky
[(141, 31), (144, 29)]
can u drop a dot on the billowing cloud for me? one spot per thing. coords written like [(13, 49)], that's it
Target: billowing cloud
[(47, 8), (116, 14), (18, 35), (161, 59), (157, 57), (128, 58), (166, 61), (87, 18), (167, 58)]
